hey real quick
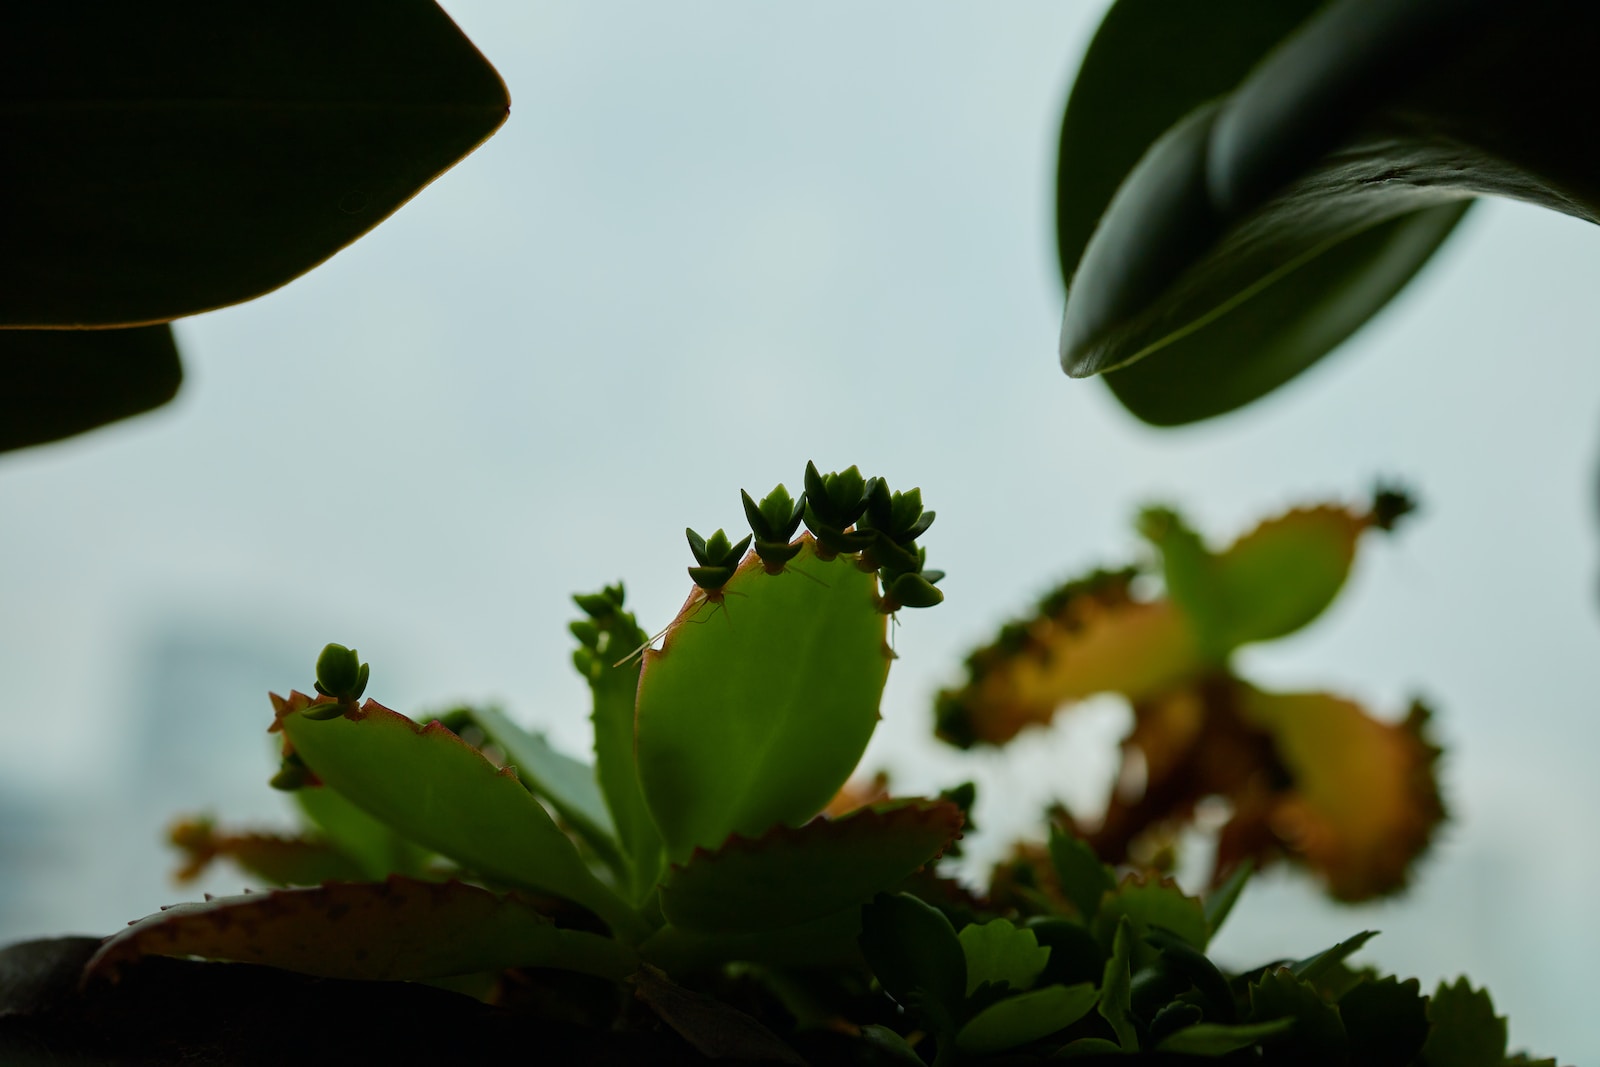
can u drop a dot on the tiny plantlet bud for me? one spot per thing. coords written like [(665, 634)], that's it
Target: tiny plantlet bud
[(341, 674), (717, 558), (292, 774)]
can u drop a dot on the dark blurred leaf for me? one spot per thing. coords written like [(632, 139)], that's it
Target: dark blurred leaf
[(915, 955), (1317, 1037), (55, 383), (165, 159), (1465, 1031), (1360, 138), (1387, 1021), (1151, 62)]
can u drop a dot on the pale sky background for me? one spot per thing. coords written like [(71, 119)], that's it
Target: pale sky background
[(715, 241)]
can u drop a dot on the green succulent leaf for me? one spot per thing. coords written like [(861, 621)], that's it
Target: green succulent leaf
[(915, 954), (1002, 955), (1218, 904), (755, 710), (279, 134), (370, 842), (793, 875), (1026, 1017), (1084, 879), (830, 941), (400, 929), (1075, 955), (1315, 969), (1116, 987), (1152, 905), (1088, 1046), (56, 383), (1464, 1030), (1386, 1020), (610, 643), (891, 1045), (1217, 1039), (435, 789), (1317, 1038), (567, 784)]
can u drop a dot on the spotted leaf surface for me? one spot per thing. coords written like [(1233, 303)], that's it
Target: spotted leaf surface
[(394, 930)]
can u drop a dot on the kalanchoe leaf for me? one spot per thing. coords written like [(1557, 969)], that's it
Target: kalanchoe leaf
[(1025, 1018), (1116, 988), (788, 876), (1075, 955), (1001, 955), (1171, 1017), (1464, 1031), (1083, 879), (915, 955), (370, 842), (1151, 903), (777, 517), (323, 711), (439, 791), (1317, 1036), (1219, 903), (1219, 1039), (1386, 1021), (912, 591), (1182, 959), (611, 669), (710, 578), (717, 557), (341, 674), (758, 718), (401, 929)]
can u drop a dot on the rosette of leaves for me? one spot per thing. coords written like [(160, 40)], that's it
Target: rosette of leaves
[(1308, 777), (1243, 184), (1115, 971), (465, 844)]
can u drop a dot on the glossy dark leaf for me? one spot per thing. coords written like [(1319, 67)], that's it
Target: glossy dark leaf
[(56, 383), (1360, 138), (916, 956), (165, 160)]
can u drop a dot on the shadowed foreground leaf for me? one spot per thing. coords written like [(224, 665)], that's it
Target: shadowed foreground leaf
[(1263, 227), (437, 790), (168, 160), (56, 383), (274, 858), (395, 930), (792, 875)]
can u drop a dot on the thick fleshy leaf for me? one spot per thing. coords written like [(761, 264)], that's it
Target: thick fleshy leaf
[(1089, 636), (396, 930), (198, 155), (56, 383), (1365, 801), (1269, 583), (1219, 902), (1116, 1006), (1217, 1039), (1000, 954), (793, 875), (1327, 963), (1152, 904), (1369, 115), (1084, 880), (567, 784), (760, 701), (437, 790), (1026, 1017), (717, 1030), (1386, 1020), (826, 942), (1464, 1030), (611, 667), (917, 957), (369, 841), (1316, 1039), (277, 859)]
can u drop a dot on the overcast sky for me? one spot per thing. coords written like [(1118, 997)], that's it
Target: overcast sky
[(715, 241)]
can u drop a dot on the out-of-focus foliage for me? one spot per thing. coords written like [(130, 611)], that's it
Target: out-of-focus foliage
[(1243, 184), (1310, 777), (174, 158)]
